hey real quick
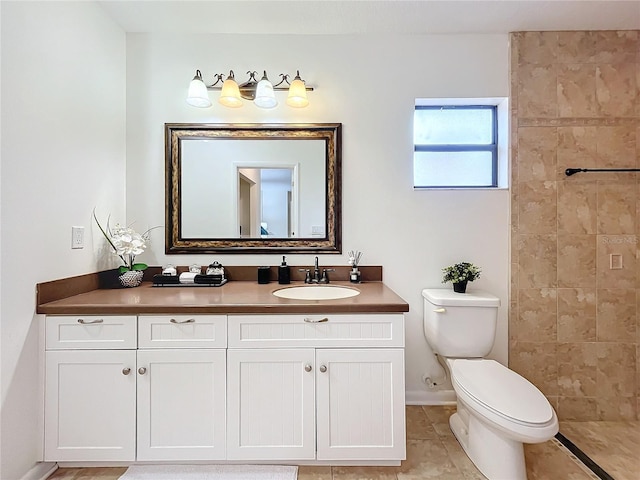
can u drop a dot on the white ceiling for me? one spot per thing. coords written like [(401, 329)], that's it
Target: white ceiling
[(365, 16)]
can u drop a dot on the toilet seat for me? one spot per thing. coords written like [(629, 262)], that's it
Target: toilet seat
[(502, 392)]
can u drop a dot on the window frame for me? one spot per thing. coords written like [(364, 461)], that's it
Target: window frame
[(493, 147)]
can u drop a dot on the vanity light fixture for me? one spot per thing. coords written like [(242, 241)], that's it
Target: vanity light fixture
[(262, 92)]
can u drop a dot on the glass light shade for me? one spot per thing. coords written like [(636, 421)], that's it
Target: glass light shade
[(297, 94), (230, 94), (265, 96), (198, 96)]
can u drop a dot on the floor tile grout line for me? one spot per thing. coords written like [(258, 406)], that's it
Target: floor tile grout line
[(583, 457)]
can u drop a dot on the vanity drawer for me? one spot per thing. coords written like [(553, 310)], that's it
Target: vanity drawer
[(329, 330), (182, 331), (90, 332)]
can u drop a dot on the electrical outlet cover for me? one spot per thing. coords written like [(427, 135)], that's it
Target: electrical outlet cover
[(77, 237)]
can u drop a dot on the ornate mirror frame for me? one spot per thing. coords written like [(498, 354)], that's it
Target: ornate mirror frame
[(331, 133)]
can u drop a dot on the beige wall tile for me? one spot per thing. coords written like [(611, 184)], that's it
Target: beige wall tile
[(576, 314), (537, 207), (616, 90), (576, 104), (616, 147), (537, 148), (576, 47), (617, 208), (577, 90), (537, 315), (638, 87), (577, 369), (537, 261), (616, 315), (576, 260), (537, 96), (577, 148), (616, 369), (618, 246), (537, 47), (617, 408), (577, 207), (577, 408), (616, 46), (537, 362)]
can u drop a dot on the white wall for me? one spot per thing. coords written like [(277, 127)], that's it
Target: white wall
[(63, 152), (369, 83)]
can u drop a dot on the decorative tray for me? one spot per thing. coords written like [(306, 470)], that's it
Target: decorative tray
[(198, 281)]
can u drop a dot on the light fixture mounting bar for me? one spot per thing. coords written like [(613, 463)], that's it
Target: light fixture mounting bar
[(283, 85)]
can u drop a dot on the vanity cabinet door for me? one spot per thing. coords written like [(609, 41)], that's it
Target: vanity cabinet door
[(90, 405), (271, 404), (181, 404), (360, 404)]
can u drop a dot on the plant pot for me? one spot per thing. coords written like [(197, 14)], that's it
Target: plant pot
[(132, 278), (460, 287)]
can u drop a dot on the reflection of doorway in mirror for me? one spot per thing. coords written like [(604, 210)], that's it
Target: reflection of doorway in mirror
[(267, 201), (247, 191)]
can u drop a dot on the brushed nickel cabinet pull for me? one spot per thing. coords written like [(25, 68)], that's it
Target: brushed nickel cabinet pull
[(84, 322), (323, 368), (142, 370), (309, 320), (190, 320), (126, 371), (307, 368)]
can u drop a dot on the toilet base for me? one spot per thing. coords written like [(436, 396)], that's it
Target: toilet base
[(497, 457)]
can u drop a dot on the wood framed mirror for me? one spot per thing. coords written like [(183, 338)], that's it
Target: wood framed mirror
[(253, 188)]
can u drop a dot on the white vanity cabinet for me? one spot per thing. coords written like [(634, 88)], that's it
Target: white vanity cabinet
[(181, 387), (333, 400), (90, 389), (163, 402), (238, 388)]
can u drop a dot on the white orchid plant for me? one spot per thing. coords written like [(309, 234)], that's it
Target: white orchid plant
[(126, 243)]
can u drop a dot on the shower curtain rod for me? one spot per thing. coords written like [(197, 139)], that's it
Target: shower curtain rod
[(571, 171)]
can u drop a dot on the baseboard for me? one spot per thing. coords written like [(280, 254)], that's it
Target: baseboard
[(421, 397), (40, 471)]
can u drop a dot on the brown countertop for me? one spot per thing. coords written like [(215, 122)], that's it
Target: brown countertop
[(233, 297)]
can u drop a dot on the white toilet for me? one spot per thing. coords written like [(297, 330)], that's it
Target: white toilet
[(498, 410)]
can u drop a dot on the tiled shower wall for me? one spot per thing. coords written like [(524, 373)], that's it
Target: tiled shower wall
[(574, 326)]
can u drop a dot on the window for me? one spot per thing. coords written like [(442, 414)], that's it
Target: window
[(456, 146)]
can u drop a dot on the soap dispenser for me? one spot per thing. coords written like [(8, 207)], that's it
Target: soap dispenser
[(284, 274)]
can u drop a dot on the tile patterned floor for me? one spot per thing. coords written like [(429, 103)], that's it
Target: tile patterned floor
[(434, 453), (614, 446)]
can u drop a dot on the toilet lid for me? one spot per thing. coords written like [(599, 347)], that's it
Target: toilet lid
[(502, 390)]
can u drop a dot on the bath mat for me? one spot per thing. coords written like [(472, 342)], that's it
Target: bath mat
[(210, 472)]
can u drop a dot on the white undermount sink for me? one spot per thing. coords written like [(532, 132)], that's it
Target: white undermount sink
[(316, 292)]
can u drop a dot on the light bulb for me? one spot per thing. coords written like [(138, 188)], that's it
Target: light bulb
[(297, 93), (230, 94)]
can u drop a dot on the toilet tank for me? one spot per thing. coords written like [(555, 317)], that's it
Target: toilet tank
[(460, 325)]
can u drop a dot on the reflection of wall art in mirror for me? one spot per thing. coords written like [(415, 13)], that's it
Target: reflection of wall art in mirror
[(253, 188)]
